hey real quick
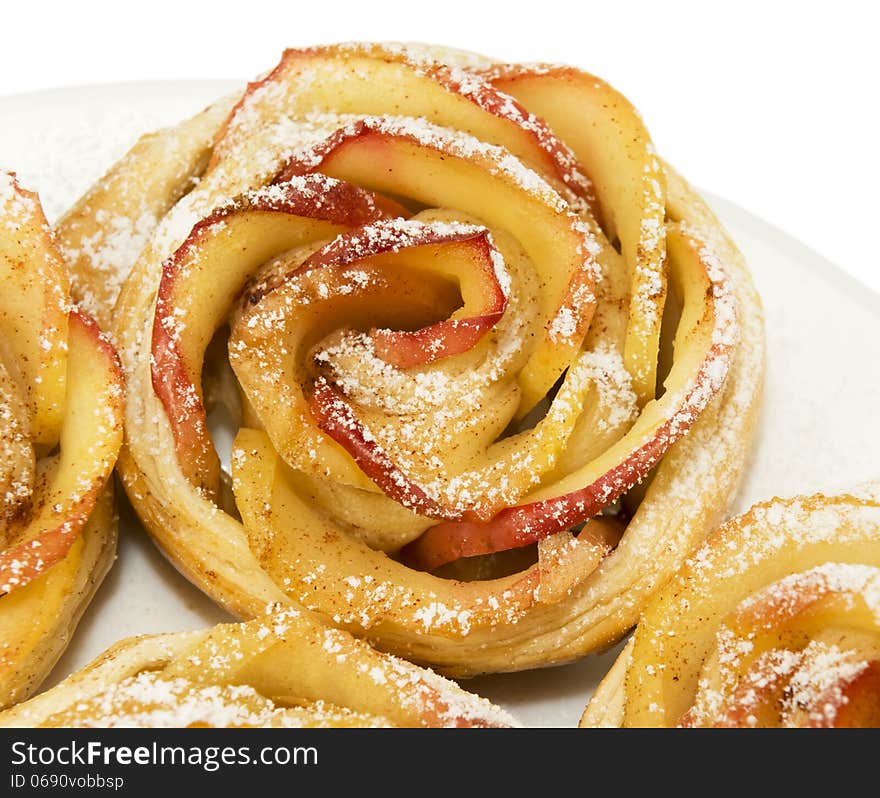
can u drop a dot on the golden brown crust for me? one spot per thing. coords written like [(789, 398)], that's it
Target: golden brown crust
[(63, 596), (57, 513), (772, 622), (285, 669), (103, 233)]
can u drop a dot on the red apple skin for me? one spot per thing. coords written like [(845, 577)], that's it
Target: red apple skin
[(374, 135), (463, 536), (30, 559), (528, 523), (855, 701), (27, 561), (182, 402), (334, 416), (469, 85), (341, 203), (404, 348)]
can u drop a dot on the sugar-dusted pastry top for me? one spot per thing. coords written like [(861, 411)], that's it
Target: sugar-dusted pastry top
[(285, 669), (775, 621)]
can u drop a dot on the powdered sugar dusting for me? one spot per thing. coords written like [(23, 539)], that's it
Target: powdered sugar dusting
[(788, 650), (148, 700), (112, 250), (15, 204)]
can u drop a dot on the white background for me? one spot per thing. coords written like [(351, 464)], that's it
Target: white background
[(773, 105)]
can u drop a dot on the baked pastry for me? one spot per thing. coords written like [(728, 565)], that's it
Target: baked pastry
[(457, 312), (286, 669), (773, 622), (61, 410)]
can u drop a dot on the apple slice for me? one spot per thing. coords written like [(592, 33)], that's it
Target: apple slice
[(33, 308), (335, 417), (440, 168), (17, 460), (819, 686), (853, 702), (467, 255), (203, 277), (613, 147), (469, 494), (372, 79), (397, 271), (37, 619), (805, 548), (753, 698), (91, 436), (831, 606), (704, 345)]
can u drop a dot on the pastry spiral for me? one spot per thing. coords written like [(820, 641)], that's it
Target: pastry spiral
[(457, 312), (774, 622), (61, 411), (286, 669)]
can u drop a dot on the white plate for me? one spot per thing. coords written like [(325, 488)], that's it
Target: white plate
[(817, 429)]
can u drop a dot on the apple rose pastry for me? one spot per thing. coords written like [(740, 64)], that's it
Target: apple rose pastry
[(456, 314), (60, 432), (286, 669), (775, 621)]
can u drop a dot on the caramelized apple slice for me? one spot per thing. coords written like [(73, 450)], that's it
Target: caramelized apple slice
[(33, 309), (91, 436), (208, 271), (704, 344), (391, 271), (783, 683), (433, 166), (372, 79), (852, 702), (37, 618), (819, 686), (613, 148), (17, 460), (468, 256), (798, 576), (470, 494)]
